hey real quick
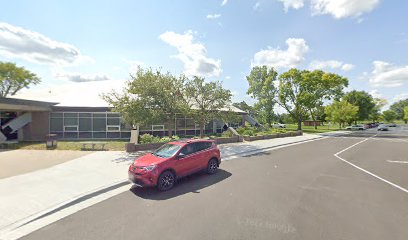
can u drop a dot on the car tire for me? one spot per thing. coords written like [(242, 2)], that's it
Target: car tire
[(212, 166), (166, 181)]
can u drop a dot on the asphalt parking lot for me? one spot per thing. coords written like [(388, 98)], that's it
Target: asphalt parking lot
[(345, 187)]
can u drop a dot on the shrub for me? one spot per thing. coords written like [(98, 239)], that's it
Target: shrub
[(148, 138)]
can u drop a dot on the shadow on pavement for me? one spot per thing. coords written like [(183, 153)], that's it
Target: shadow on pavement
[(192, 183)]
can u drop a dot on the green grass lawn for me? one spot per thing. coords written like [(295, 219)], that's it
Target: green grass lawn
[(68, 145), (311, 129)]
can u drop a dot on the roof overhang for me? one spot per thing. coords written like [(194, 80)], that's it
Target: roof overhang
[(15, 104)]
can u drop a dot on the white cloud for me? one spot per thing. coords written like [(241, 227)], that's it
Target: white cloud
[(192, 54), (213, 16), (228, 77), (275, 57), (399, 97), (134, 65), (16, 42), (376, 94), (80, 77), (224, 2), (343, 8), (256, 6), (295, 4), (333, 64), (347, 67), (387, 75)]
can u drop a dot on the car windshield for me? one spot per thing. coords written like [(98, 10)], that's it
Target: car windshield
[(167, 150)]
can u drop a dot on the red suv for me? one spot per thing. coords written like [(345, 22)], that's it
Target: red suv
[(174, 160)]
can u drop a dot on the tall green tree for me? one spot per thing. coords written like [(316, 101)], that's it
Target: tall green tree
[(261, 82), (405, 118), (290, 95), (13, 79), (318, 87), (363, 100), (206, 99), (341, 112), (389, 115), (150, 96), (398, 107)]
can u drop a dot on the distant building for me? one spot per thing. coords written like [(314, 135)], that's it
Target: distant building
[(27, 120), (312, 123)]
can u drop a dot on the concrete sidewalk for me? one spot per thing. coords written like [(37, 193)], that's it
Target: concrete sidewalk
[(27, 197)]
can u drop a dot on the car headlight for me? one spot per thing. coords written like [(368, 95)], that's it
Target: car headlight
[(149, 168)]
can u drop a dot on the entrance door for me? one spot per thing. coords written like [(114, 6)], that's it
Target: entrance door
[(5, 117)]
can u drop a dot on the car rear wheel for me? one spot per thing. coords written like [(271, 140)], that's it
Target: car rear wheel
[(212, 166), (166, 181)]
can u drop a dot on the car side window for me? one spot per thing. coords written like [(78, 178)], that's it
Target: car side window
[(188, 149), (203, 145)]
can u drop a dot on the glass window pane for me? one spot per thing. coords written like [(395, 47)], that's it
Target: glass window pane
[(113, 114), (85, 134), (99, 115), (70, 115), (56, 115), (113, 121), (113, 128), (70, 121), (85, 124), (99, 134), (181, 123), (99, 124), (56, 125), (190, 123), (113, 134), (85, 114), (70, 135), (125, 134)]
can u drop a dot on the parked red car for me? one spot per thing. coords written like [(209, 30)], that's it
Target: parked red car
[(174, 160)]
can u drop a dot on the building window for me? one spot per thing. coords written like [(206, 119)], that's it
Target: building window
[(157, 127), (113, 128), (70, 128)]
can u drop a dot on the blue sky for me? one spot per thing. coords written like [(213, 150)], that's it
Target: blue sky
[(83, 48)]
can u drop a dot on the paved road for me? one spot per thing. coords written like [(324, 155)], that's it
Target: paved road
[(298, 192)]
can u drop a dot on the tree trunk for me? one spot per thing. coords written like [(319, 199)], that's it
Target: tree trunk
[(170, 129), (201, 130), (299, 123), (314, 120)]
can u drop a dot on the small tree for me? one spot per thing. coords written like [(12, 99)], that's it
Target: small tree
[(341, 112), (406, 114), (13, 79), (206, 100), (261, 82), (150, 96), (389, 115)]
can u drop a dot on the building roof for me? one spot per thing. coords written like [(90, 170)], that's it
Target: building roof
[(16, 104)]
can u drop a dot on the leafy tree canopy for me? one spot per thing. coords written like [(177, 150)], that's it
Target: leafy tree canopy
[(13, 79), (206, 99), (363, 100)]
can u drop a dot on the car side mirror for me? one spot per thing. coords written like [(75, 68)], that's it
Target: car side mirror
[(181, 155)]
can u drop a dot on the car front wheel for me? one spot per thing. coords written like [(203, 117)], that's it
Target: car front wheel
[(166, 181), (212, 166)]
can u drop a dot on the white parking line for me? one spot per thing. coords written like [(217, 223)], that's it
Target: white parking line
[(362, 169), (390, 161)]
